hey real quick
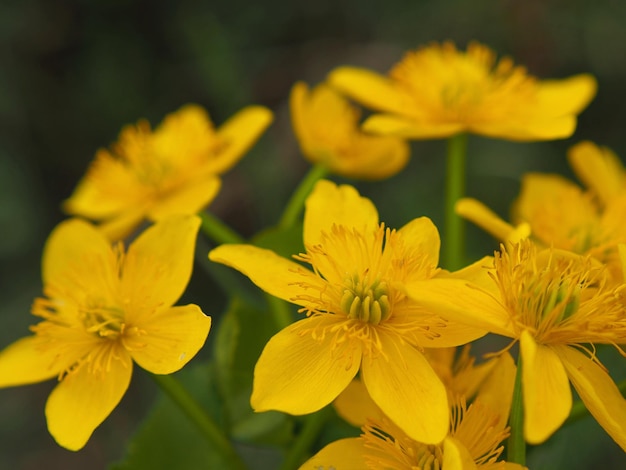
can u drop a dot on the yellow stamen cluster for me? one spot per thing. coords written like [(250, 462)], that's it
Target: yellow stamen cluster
[(562, 298)]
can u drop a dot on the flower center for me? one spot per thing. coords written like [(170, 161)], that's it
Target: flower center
[(364, 300), (103, 321)]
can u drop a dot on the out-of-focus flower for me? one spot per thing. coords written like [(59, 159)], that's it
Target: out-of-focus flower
[(438, 91), (172, 170), (555, 212), (358, 316), (556, 304), (104, 309), (326, 126)]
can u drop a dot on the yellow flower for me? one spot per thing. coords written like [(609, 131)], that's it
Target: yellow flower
[(557, 305), (492, 380), (171, 170), (326, 126), (438, 91), (473, 441), (103, 309), (556, 212), (358, 317)]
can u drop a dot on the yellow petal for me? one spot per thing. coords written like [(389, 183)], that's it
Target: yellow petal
[(298, 374), (122, 225), (372, 157), (598, 391), (355, 405), (330, 204), (403, 384), (479, 214), (456, 456), (168, 339), (421, 238), (83, 399), (496, 391), (239, 133), (78, 247), (158, 264), (369, 88), (28, 360), (470, 305), (477, 274), (193, 197), (546, 390), (298, 99), (274, 274), (536, 128), (566, 96), (598, 168), (405, 127), (344, 454)]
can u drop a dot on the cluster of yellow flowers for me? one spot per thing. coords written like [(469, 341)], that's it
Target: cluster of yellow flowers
[(385, 331)]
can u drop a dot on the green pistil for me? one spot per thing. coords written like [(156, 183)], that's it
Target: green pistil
[(364, 301)]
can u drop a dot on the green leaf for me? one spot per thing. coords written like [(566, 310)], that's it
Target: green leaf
[(240, 337), (285, 242), (167, 439)]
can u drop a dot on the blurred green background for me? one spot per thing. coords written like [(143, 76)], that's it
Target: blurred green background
[(73, 72)]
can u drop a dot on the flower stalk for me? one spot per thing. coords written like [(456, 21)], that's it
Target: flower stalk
[(296, 203), (454, 232), (516, 448)]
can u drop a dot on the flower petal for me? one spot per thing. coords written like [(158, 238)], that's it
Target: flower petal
[(370, 88), (421, 238), (330, 204), (158, 264), (566, 96), (456, 456), (168, 339), (598, 168), (546, 391), (84, 399), (598, 391), (300, 374), (344, 454), (470, 305), (355, 405), (239, 133), (400, 126), (122, 225), (404, 385), (274, 274), (28, 360), (70, 245), (191, 198), (479, 214), (535, 128)]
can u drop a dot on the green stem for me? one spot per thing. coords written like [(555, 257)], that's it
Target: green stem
[(188, 405), (296, 203), (580, 411), (453, 254), (516, 448), (217, 230), (312, 426)]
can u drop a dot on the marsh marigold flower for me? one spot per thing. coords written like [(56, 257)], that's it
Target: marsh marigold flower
[(327, 128), (473, 440), (105, 308), (172, 170), (438, 91), (358, 317), (558, 305), (554, 211)]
